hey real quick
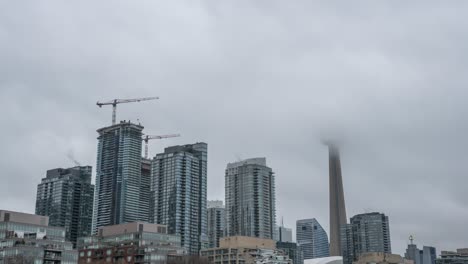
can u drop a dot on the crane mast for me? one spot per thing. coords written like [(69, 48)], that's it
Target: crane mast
[(148, 138), (115, 102)]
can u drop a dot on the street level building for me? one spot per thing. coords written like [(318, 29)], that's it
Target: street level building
[(382, 258), (250, 199), (135, 242), (178, 187), (246, 250), (28, 238), (291, 249), (118, 195), (366, 233), (312, 238), (453, 257), (66, 197), (216, 222)]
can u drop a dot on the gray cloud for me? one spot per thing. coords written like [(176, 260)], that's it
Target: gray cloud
[(253, 79)]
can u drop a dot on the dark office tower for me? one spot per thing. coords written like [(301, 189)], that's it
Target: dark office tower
[(364, 234), (178, 186), (145, 195), (425, 256), (312, 238), (216, 222), (250, 199), (66, 197), (118, 175), (337, 202)]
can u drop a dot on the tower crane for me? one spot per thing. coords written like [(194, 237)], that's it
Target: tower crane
[(148, 138), (115, 102)]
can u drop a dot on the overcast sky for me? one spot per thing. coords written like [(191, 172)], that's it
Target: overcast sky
[(253, 79)]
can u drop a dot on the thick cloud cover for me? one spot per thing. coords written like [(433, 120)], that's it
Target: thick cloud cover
[(253, 78)]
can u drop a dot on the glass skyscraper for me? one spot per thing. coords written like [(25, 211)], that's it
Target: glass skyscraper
[(365, 233), (250, 199), (66, 197), (119, 183), (216, 222), (178, 190), (312, 238)]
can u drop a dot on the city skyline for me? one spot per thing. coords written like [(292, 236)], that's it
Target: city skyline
[(394, 89)]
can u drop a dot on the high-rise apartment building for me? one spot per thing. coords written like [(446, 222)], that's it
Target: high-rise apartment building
[(66, 197), (145, 191), (365, 233), (216, 216), (312, 238), (119, 183), (178, 187), (250, 199), (337, 202)]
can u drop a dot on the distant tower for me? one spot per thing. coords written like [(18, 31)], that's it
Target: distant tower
[(337, 202), (250, 199), (117, 198)]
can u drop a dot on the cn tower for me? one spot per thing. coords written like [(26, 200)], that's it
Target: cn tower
[(337, 202)]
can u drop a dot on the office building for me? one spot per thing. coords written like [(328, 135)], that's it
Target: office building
[(246, 250), (453, 257), (66, 197), (425, 256), (28, 238), (136, 242), (216, 216), (365, 233), (178, 187), (291, 249), (312, 238), (337, 201), (118, 175), (284, 234), (250, 199)]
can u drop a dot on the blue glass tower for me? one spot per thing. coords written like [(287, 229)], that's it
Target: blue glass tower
[(312, 238), (118, 196), (178, 191)]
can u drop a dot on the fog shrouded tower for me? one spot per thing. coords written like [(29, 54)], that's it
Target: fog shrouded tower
[(337, 202)]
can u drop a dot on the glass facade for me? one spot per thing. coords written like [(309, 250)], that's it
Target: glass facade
[(66, 197), (250, 199), (365, 233), (216, 224), (178, 191), (118, 176), (29, 243), (312, 238)]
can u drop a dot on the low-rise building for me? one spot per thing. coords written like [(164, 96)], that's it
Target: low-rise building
[(453, 257), (381, 258), (135, 242), (293, 250), (28, 238), (246, 250)]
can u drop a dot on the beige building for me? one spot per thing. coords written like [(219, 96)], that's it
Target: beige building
[(245, 250), (382, 258)]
